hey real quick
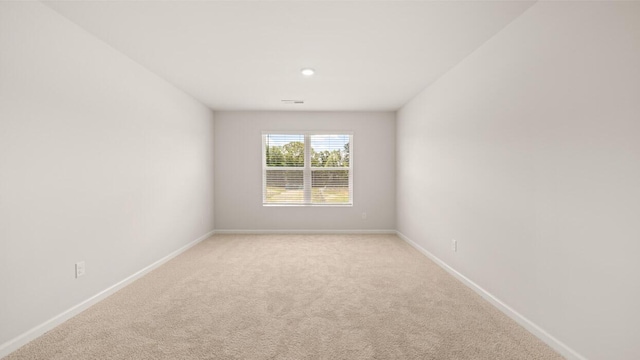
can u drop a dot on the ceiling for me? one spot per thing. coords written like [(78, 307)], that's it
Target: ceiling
[(247, 55)]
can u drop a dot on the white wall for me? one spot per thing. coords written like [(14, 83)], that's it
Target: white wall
[(238, 172), (528, 153), (100, 160)]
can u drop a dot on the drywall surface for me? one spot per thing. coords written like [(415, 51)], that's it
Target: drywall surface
[(528, 154), (238, 171), (100, 161)]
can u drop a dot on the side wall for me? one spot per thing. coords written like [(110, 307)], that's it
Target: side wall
[(100, 160), (239, 172), (528, 154)]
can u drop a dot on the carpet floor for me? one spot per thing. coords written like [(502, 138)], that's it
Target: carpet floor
[(292, 297)]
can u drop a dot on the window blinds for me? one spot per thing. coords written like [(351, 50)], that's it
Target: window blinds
[(307, 169)]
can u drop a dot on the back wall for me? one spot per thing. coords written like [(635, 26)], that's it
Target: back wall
[(238, 169)]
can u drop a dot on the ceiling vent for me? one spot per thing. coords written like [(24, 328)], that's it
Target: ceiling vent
[(292, 101)]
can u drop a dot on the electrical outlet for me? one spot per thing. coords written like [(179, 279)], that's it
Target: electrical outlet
[(364, 216), (79, 269), (454, 245)]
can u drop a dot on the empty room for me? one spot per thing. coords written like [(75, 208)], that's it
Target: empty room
[(320, 180)]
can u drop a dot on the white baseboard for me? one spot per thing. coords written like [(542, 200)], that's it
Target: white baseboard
[(536, 330), (17, 342), (303, 232)]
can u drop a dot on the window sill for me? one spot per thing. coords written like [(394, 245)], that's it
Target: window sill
[(307, 205)]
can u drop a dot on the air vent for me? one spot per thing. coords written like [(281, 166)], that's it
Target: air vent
[(292, 101)]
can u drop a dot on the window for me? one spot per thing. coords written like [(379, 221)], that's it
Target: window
[(307, 168)]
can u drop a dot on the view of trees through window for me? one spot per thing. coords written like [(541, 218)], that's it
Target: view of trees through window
[(327, 172)]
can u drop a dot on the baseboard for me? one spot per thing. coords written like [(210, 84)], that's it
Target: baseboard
[(536, 330), (21, 340), (303, 232), (17, 342)]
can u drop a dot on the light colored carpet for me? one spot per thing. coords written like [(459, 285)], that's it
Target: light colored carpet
[(292, 297)]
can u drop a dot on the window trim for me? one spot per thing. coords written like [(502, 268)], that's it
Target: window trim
[(307, 168)]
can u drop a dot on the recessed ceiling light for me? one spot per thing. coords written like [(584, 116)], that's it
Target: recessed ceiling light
[(307, 71)]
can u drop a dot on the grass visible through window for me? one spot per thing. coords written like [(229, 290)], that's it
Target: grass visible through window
[(331, 195)]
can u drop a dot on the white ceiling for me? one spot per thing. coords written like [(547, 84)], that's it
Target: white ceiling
[(242, 55)]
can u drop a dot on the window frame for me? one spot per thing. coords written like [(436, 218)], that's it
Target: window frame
[(307, 168)]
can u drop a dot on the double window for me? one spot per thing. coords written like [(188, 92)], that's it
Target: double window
[(307, 168)]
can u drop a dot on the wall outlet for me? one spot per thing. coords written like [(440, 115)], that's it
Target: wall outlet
[(364, 216), (79, 269), (454, 245)]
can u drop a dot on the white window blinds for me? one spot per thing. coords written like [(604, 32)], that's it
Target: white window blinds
[(307, 168)]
